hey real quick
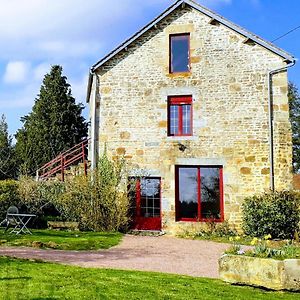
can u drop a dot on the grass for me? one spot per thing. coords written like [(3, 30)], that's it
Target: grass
[(243, 239), (277, 249), (62, 240), (22, 279)]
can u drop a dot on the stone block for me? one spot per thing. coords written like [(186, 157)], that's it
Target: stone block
[(125, 135), (121, 151), (262, 272), (245, 171)]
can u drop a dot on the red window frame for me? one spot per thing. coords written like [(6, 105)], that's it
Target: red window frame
[(199, 218), (178, 35), (180, 101)]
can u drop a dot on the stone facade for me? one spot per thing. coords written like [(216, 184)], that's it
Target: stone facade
[(228, 83)]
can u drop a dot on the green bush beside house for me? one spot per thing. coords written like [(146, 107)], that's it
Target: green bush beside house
[(274, 213)]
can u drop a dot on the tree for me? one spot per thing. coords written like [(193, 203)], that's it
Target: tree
[(7, 153), (54, 125), (294, 102)]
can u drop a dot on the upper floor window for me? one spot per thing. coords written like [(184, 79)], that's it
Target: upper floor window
[(180, 116), (180, 53)]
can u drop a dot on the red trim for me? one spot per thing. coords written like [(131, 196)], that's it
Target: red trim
[(199, 194), (221, 195), (180, 101), (177, 215), (177, 205), (180, 120), (138, 198), (179, 36)]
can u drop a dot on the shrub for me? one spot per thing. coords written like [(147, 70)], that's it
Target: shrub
[(8, 196), (99, 201), (39, 197), (274, 213)]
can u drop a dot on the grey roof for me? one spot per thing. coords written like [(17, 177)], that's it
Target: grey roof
[(248, 35)]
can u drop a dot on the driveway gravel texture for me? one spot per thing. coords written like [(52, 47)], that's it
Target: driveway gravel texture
[(145, 253)]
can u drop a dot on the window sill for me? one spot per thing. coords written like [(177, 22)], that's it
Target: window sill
[(199, 221), (181, 138), (179, 74)]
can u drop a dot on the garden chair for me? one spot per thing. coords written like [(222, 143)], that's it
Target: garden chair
[(10, 221)]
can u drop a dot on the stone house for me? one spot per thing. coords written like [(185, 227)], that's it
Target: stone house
[(198, 106)]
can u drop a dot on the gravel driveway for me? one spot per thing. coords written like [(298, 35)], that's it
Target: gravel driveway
[(162, 254)]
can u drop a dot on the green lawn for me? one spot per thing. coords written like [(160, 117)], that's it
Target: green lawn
[(21, 279), (62, 240)]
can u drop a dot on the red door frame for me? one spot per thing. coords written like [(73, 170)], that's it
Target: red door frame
[(144, 223)]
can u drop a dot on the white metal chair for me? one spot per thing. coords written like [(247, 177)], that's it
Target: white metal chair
[(10, 221)]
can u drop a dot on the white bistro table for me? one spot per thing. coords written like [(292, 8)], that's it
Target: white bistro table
[(20, 221)]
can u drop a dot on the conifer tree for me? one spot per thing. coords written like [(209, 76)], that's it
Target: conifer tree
[(54, 125), (294, 102), (7, 155)]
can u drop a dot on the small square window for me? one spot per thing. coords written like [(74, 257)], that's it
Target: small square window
[(180, 116), (180, 53)]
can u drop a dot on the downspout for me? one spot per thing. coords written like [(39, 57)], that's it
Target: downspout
[(93, 156), (271, 125)]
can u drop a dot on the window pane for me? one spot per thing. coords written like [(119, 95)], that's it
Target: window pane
[(186, 119), (180, 53), (150, 197), (210, 193), (174, 121), (188, 192)]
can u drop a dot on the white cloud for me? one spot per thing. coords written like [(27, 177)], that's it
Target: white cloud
[(79, 88), (40, 70), (16, 72)]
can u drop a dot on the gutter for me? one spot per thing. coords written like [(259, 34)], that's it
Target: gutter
[(271, 120)]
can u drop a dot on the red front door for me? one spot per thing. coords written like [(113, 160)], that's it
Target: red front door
[(145, 204)]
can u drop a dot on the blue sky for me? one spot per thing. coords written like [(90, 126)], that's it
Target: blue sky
[(35, 34)]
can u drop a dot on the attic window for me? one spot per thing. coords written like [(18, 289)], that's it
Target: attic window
[(180, 53)]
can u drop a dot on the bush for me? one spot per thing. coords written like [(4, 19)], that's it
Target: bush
[(8, 196), (40, 197), (274, 213), (99, 201)]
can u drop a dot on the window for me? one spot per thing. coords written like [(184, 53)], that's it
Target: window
[(180, 116), (199, 193), (180, 53)]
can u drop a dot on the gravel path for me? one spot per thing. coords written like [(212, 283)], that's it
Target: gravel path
[(162, 254)]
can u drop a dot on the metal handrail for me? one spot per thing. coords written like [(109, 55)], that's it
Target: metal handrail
[(64, 160)]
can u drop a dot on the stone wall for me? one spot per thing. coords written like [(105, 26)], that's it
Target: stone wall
[(228, 82)]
